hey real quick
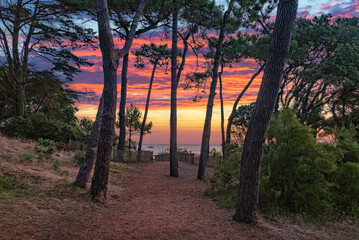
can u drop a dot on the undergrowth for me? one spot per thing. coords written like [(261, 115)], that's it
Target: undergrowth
[(43, 153), (300, 178), (9, 186)]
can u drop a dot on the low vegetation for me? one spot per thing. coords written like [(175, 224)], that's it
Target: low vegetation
[(36, 183), (300, 176)]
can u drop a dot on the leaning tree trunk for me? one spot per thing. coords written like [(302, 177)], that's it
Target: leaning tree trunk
[(109, 58), (207, 123), (184, 55), (122, 110), (146, 110), (233, 113), (86, 167), (222, 113), (173, 117), (247, 204)]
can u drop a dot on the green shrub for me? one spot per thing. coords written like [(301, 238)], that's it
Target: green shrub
[(294, 169), (299, 176), (8, 185), (79, 157), (346, 180), (28, 156), (224, 183), (347, 144), (215, 158), (44, 149), (36, 126)]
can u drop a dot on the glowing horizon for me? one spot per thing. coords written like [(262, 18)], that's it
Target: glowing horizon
[(190, 114)]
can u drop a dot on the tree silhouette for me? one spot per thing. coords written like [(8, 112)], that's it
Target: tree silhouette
[(157, 56)]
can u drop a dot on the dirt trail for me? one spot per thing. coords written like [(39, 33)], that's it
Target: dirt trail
[(156, 206), (143, 203)]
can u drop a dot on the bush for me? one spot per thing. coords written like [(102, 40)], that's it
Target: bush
[(36, 126), (346, 180), (224, 183), (299, 175), (8, 185), (347, 144), (44, 149), (294, 169), (28, 156), (79, 157)]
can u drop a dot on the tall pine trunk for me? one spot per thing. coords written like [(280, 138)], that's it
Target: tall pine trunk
[(173, 117), (247, 204), (122, 110), (146, 110), (86, 167), (234, 109), (101, 174), (222, 113), (207, 123)]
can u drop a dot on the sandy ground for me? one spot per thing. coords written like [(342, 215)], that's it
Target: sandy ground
[(143, 203)]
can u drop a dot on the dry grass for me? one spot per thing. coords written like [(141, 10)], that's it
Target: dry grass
[(50, 200), (144, 203)]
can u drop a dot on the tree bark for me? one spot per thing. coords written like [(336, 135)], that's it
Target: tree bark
[(85, 170), (122, 111), (16, 64), (234, 109), (222, 113), (207, 123), (173, 117), (109, 58), (146, 110), (247, 204)]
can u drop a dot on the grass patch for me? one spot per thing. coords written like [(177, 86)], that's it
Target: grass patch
[(115, 168), (28, 156), (9, 187)]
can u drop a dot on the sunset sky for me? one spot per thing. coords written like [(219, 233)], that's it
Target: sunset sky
[(190, 114)]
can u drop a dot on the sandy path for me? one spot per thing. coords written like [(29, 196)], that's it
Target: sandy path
[(156, 206)]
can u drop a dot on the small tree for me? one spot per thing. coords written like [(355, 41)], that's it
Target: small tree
[(133, 123), (157, 56)]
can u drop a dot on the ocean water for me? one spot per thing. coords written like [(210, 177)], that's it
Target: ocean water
[(165, 148)]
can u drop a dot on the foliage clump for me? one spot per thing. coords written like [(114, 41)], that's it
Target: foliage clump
[(79, 157), (299, 175), (8, 185), (36, 126), (44, 149)]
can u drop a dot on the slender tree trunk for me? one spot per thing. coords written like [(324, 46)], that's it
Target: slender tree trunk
[(247, 204), (222, 113), (146, 110), (16, 59), (122, 110), (234, 109), (184, 55), (20, 100), (102, 166), (173, 117), (85, 170), (207, 123)]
